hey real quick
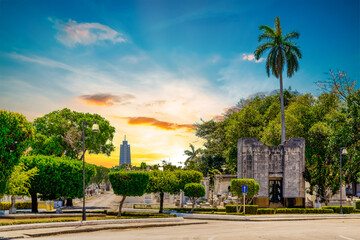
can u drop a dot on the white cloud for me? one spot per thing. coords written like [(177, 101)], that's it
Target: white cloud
[(72, 33), (250, 57)]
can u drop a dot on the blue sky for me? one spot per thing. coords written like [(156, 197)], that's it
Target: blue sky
[(171, 61)]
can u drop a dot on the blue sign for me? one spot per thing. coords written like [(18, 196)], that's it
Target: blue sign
[(244, 189)]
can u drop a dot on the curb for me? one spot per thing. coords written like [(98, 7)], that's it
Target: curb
[(264, 219), (86, 223)]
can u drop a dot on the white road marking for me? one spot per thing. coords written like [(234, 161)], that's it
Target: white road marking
[(346, 237)]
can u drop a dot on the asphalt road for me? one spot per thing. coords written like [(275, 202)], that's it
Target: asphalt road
[(348, 229)]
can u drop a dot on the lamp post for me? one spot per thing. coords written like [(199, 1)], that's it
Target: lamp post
[(342, 152), (95, 128)]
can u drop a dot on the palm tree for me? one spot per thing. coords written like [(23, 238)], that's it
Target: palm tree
[(282, 51), (192, 155)]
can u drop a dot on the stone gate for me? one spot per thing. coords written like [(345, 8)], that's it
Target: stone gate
[(278, 169)]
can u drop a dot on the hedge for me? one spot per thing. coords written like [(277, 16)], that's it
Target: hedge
[(290, 210), (318, 210), (18, 205), (357, 210), (357, 204), (336, 209), (198, 209), (303, 210), (249, 209), (139, 214), (266, 211)]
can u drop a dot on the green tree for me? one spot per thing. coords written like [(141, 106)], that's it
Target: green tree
[(162, 182), (194, 191), (59, 133), (57, 177), (143, 166), (15, 134), (128, 184), (101, 175), (236, 189), (282, 52), (187, 176), (20, 182)]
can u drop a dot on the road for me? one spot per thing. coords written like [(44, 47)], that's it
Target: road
[(348, 229), (108, 200)]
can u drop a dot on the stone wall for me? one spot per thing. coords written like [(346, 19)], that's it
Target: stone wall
[(263, 163)]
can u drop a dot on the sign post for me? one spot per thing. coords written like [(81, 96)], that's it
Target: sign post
[(244, 192)]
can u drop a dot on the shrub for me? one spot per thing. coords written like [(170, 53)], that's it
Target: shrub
[(139, 214), (249, 209), (336, 209), (266, 211), (290, 210), (357, 210), (357, 205), (18, 205), (198, 209), (318, 210)]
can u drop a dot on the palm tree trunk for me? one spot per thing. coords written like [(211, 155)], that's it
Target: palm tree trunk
[(283, 136)]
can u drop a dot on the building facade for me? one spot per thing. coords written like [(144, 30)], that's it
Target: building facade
[(125, 155), (278, 169)]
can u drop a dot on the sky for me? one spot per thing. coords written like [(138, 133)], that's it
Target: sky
[(154, 68)]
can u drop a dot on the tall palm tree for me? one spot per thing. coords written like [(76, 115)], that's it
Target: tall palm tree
[(282, 51)]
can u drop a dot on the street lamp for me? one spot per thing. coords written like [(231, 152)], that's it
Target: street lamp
[(95, 128), (342, 152)]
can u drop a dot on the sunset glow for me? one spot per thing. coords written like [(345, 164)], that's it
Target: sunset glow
[(155, 68)]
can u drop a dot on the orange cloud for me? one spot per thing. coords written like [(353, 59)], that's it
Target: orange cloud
[(105, 99), (156, 123)]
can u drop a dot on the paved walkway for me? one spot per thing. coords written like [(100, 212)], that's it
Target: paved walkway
[(266, 218), (49, 229)]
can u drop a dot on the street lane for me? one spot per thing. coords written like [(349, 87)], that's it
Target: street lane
[(301, 230)]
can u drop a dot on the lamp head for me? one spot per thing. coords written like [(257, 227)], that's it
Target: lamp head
[(223, 167), (95, 128), (343, 151)]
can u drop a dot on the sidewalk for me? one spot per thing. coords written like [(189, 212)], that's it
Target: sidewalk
[(265, 218), (48, 229)]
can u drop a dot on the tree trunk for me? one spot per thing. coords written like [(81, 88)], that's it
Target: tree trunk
[(121, 204), (283, 136), (193, 200), (161, 202), (69, 202), (34, 204), (12, 201)]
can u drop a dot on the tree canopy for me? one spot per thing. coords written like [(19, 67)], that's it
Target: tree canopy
[(15, 134), (59, 133), (327, 122), (162, 182), (128, 184), (56, 177)]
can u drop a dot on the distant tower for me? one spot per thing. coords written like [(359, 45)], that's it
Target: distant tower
[(125, 156)]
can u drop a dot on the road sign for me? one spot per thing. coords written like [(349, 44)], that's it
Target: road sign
[(244, 189)]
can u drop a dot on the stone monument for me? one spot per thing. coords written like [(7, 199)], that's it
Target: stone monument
[(278, 169)]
